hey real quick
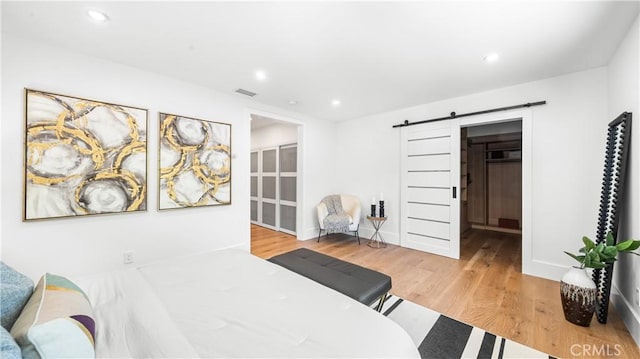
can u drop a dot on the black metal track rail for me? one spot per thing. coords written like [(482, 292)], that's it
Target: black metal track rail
[(454, 115)]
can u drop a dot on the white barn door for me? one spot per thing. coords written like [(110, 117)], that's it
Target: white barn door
[(430, 182)]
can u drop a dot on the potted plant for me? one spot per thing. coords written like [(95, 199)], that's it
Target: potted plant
[(577, 289)]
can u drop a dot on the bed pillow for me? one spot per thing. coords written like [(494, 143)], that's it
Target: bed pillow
[(9, 349), (15, 291), (57, 321)]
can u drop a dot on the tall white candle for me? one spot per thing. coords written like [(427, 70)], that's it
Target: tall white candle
[(373, 200), (381, 196)]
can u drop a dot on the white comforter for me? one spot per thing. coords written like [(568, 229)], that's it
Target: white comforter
[(231, 304)]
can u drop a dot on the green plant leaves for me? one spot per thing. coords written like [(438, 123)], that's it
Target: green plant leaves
[(628, 245), (611, 251), (580, 259), (588, 243), (597, 265), (610, 239), (601, 255)]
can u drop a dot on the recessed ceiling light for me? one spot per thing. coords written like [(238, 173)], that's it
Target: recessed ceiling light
[(293, 102), (261, 75), (97, 15), (335, 102), (492, 57)]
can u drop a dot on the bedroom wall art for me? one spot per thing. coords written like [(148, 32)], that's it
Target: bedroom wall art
[(83, 157), (195, 162)]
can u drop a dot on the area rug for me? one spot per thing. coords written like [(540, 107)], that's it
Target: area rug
[(438, 336)]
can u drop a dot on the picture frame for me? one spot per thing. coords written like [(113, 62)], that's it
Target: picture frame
[(82, 157), (194, 162)]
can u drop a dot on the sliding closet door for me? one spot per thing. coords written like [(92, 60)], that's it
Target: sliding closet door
[(274, 181), (255, 196), (269, 187), (430, 166), (288, 188)]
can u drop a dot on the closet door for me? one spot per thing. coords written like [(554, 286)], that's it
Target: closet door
[(255, 196), (430, 177), (269, 188), (288, 188)]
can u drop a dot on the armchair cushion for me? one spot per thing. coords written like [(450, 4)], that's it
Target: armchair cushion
[(350, 204)]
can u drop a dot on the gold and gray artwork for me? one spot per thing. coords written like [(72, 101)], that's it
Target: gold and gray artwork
[(195, 162), (83, 157)]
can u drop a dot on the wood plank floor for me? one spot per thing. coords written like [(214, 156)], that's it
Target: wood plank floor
[(485, 288)]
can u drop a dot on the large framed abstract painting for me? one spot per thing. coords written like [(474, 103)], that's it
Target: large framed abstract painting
[(83, 157), (195, 162)]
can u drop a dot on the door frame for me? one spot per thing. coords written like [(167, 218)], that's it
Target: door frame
[(526, 116), (300, 152)]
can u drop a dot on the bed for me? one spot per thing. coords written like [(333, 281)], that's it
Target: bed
[(229, 303)]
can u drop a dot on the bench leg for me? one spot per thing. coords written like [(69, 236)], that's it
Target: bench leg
[(383, 298)]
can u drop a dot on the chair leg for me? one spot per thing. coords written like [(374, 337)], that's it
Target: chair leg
[(358, 236), (319, 232)]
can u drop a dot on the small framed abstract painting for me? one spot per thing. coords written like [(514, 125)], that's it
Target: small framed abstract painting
[(83, 157), (195, 162)]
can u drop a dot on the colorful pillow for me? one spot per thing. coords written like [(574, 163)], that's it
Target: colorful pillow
[(9, 349), (15, 290), (57, 322)]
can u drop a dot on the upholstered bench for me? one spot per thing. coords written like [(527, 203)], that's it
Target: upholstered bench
[(360, 283)]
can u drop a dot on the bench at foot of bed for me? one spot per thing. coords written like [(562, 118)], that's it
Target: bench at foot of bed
[(360, 283)]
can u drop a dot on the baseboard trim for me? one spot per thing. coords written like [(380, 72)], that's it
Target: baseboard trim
[(542, 269), (624, 309), (496, 229)]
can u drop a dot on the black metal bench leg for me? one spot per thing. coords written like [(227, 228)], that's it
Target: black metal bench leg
[(383, 298)]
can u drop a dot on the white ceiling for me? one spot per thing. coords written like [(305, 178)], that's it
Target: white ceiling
[(373, 56)]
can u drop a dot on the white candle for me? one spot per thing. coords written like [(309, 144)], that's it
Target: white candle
[(381, 196), (373, 200)]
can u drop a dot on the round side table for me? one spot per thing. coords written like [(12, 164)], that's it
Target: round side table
[(376, 240)]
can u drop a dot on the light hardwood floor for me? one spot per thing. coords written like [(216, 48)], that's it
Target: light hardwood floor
[(485, 288)]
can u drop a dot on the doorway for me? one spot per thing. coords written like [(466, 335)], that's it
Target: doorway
[(491, 177), (491, 187), (418, 151), (275, 183)]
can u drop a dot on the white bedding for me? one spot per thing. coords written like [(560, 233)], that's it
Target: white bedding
[(231, 304)]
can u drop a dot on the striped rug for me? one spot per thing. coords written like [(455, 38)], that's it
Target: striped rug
[(438, 336)]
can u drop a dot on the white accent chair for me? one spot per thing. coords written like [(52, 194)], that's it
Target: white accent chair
[(351, 205)]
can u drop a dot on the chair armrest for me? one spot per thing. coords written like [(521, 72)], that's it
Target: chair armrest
[(322, 213)]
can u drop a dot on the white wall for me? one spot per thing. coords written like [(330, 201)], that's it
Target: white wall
[(567, 144), (624, 95), (96, 243), (274, 135)]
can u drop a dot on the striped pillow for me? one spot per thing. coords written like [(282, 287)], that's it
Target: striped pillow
[(56, 322)]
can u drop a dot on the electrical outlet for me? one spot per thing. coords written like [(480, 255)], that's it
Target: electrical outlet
[(127, 257)]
